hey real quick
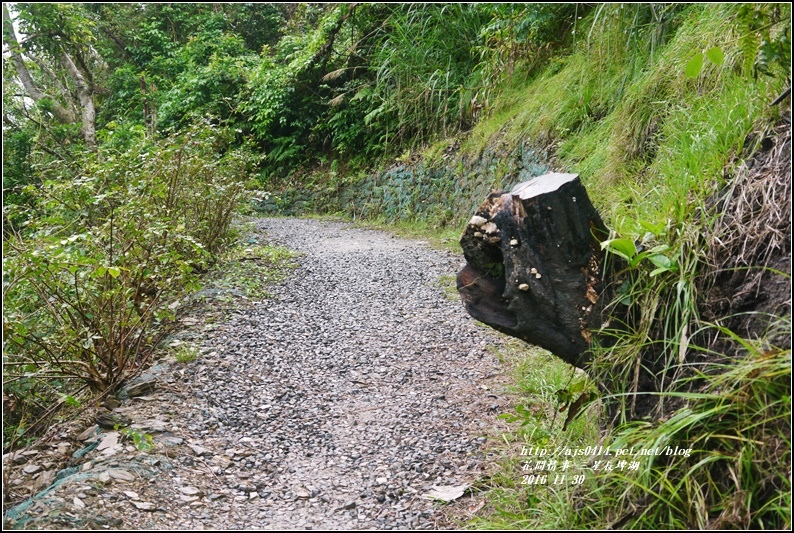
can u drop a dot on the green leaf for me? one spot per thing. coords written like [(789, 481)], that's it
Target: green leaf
[(71, 401), (661, 261), (656, 229), (715, 55), (694, 66), (577, 386), (625, 248), (114, 271), (658, 271)]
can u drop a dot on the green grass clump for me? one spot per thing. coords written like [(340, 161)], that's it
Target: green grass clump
[(184, 353), (739, 433)]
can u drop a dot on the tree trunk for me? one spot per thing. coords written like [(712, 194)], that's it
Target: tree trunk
[(85, 92), (62, 114), (535, 265)]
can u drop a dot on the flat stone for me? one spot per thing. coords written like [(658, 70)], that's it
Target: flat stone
[(108, 441), (31, 469), (19, 458), (78, 503), (198, 450), (113, 420), (130, 494), (170, 441), (120, 475), (138, 387), (144, 506), (222, 461), (191, 491), (153, 425)]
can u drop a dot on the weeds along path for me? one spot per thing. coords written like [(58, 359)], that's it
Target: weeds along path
[(337, 403)]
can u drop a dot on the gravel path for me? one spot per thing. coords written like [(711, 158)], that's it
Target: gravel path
[(338, 403)]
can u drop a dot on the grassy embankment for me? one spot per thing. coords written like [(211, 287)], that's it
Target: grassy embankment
[(653, 146)]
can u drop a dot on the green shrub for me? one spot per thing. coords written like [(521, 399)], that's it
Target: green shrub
[(88, 276)]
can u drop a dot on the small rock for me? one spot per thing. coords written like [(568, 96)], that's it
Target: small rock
[(171, 441), (78, 503), (523, 287), (303, 494), (477, 221), (111, 402), (18, 458), (31, 469), (104, 477), (198, 450), (191, 491), (131, 495), (144, 506), (153, 425), (108, 441), (222, 461), (120, 475), (43, 479), (88, 433), (112, 420), (138, 387)]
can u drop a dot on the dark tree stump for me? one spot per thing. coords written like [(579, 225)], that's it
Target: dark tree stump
[(535, 265)]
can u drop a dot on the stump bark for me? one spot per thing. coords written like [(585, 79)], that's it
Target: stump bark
[(534, 265)]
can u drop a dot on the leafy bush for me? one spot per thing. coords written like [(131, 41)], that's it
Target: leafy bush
[(88, 275)]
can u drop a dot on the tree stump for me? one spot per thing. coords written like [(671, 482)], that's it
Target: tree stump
[(535, 265)]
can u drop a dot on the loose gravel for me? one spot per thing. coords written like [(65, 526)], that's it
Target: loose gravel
[(338, 403)]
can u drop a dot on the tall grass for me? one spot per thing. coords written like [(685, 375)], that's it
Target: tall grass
[(423, 69)]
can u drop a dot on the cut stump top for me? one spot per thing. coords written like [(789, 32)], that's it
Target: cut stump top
[(542, 185)]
